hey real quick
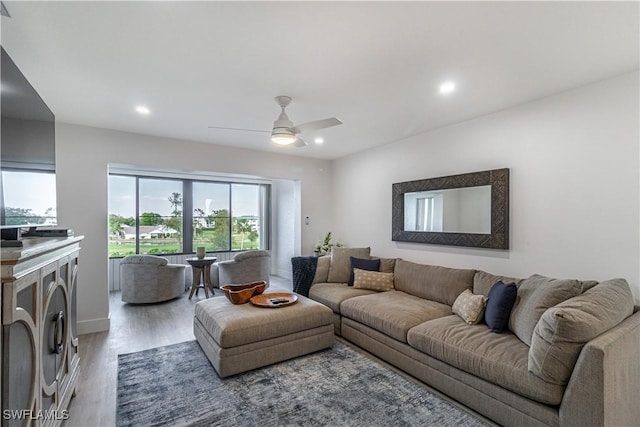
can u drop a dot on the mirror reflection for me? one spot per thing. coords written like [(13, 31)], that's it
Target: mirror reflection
[(455, 210), (470, 209)]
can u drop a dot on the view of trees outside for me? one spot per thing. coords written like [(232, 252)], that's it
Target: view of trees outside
[(211, 215), (161, 204), (161, 216), (245, 201)]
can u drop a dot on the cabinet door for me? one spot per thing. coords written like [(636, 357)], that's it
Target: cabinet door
[(55, 319), (69, 371), (72, 286), (20, 341)]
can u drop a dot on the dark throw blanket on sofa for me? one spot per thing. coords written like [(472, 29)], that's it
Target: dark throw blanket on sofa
[(304, 270)]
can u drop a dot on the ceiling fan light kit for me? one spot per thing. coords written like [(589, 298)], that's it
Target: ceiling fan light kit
[(284, 132), (283, 138)]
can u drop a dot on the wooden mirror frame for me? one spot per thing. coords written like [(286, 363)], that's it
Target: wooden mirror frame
[(498, 179)]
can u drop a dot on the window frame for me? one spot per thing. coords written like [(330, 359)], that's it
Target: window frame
[(264, 191)]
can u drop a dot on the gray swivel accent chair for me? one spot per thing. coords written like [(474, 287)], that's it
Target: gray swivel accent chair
[(245, 267), (149, 278)]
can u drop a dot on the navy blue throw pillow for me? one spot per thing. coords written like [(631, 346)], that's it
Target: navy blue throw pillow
[(500, 301), (363, 264)]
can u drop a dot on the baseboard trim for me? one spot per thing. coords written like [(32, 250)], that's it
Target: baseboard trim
[(93, 325)]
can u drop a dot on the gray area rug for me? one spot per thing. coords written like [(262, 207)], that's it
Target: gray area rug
[(176, 385)]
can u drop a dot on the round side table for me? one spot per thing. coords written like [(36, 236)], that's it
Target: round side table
[(201, 268)]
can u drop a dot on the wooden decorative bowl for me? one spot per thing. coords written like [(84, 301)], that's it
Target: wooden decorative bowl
[(241, 294)]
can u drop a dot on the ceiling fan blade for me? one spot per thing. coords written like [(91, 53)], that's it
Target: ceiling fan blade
[(318, 124), (246, 130), (299, 143)]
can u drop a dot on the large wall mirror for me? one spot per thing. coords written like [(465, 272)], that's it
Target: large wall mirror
[(470, 209)]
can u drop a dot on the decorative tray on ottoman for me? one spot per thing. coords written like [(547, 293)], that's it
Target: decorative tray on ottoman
[(274, 300)]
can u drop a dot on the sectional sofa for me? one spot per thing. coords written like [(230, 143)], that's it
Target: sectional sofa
[(570, 355)]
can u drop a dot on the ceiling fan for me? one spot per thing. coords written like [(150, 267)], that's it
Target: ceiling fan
[(284, 132)]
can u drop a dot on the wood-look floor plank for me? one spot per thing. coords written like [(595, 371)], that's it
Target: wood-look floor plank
[(133, 328)]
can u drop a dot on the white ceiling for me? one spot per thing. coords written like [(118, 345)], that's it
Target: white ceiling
[(375, 65)]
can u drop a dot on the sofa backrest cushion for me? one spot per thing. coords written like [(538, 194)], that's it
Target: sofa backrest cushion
[(564, 329), (535, 295), (340, 267), (387, 265), (440, 284), (322, 269), (483, 282)]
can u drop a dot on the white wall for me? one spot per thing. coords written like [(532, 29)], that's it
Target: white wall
[(575, 185), (286, 212), (82, 156)]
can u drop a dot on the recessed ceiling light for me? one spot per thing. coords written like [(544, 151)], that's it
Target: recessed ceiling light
[(141, 109), (447, 87), (318, 140)]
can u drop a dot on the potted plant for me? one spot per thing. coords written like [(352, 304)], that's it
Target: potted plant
[(324, 247)]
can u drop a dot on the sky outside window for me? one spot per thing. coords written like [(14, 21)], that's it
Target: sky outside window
[(245, 200), (40, 202), (155, 193), (210, 196), (122, 195)]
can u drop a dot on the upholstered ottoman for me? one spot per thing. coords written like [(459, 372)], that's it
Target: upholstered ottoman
[(238, 338)]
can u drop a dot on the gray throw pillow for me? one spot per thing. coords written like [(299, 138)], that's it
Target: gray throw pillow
[(535, 295), (564, 329)]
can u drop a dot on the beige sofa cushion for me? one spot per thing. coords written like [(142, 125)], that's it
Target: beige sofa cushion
[(322, 269), (483, 282), (432, 282), (470, 307), (333, 294), (340, 267), (387, 265), (535, 295), (498, 358), (374, 280), (393, 313), (564, 329)]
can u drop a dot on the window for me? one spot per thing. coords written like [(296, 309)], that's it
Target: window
[(211, 215), (159, 216), (151, 215), (122, 215), (246, 216), (424, 214), (22, 205)]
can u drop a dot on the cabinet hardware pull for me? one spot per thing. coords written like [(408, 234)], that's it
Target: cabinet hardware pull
[(58, 332)]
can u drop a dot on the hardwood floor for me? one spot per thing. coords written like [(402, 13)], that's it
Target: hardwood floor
[(133, 328)]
